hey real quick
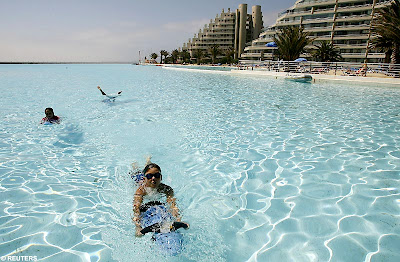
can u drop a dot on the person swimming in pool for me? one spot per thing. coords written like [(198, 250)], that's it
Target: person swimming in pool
[(153, 193), (50, 117), (112, 96)]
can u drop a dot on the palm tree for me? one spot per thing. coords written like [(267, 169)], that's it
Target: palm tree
[(163, 53), (185, 55), (326, 52), (387, 25), (154, 56), (291, 42), (229, 54), (383, 45), (214, 52), (168, 60), (198, 54), (174, 55)]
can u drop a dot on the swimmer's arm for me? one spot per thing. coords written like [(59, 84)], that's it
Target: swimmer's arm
[(104, 94), (172, 203), (148, 160), (137, 201), (58, 120)]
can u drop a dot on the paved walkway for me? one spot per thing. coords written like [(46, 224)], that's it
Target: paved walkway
[(323, 78)]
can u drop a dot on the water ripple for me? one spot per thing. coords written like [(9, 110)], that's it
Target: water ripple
[(263, 170)]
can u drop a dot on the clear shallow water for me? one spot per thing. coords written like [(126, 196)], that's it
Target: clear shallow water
[(203, 67), (263, 169)]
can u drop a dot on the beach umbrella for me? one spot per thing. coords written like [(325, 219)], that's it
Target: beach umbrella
[(271, 44), (300, 59)]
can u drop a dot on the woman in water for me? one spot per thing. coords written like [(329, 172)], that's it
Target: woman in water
[(154, 195), (50, 117)]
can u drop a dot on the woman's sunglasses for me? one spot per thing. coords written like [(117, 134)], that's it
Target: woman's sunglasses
[(156, 175)]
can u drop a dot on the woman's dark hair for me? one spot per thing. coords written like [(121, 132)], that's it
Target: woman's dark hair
[(151, 165), (49, 108)]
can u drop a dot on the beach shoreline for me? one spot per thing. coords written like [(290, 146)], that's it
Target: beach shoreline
[(317, 78)]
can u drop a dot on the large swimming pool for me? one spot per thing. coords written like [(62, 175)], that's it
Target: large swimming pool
[(263, 169)]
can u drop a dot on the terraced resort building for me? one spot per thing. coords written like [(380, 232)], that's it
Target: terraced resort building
[(347, 23), (229, 30)]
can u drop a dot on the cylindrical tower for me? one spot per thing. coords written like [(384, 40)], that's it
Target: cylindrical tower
[(236, 39), (242, 28), (257, 21)]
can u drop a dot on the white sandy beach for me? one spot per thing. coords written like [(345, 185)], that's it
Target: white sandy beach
[(317, 78), (325, 77)]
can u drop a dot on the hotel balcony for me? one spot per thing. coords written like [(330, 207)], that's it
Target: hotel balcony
[(251, 55), (265, 41), (284, 23), (353, 18), (352, 27), (226, 24), (324, 11), (353, 46), (383, 4), (350, 37), (220, 33), (376, 55), (217, 36), (313, 3), (298, 14), (200, 47), (213, 42), (249, 48), (318, 29), (317, 20), (256, 55), (354, 55), (260, 45), (323, 38), (223, 29), (259, 40), (354, 8)]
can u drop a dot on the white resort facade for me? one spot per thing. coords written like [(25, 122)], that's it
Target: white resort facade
[(347, 23), (229, 30)]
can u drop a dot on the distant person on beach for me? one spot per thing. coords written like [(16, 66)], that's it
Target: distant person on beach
[(112, 96), (152, 195), (50, 117)]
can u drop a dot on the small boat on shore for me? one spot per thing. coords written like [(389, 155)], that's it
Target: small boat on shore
[(299, 77)]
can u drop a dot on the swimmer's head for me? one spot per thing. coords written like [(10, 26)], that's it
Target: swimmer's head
[(151, 165), (49, 112), (152, 175)]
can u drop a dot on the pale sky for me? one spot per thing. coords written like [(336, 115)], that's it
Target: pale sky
[(108, 30)]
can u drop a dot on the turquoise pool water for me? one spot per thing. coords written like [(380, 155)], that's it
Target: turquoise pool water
[(212, 68), (263, 169)]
